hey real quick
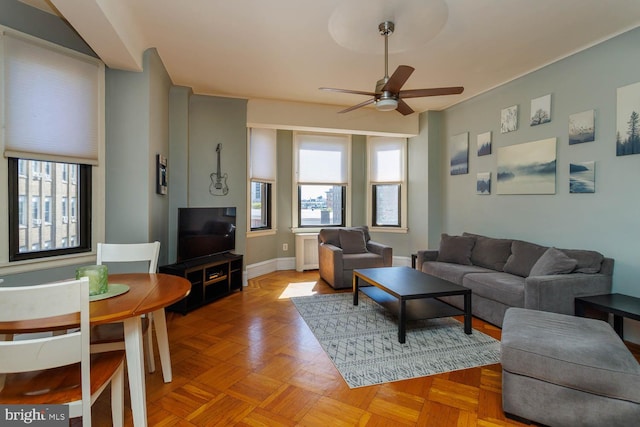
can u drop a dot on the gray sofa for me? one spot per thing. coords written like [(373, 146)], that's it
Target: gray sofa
[(342, 249), (503, 273)]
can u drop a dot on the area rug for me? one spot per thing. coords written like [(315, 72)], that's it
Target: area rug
[(362, 341)]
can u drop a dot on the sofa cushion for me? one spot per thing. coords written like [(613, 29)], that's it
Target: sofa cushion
[(523, 256), (352, 241), (588, 261), (553, 261), (505, 288), (365, 260), (455, 249), (451, 272), (490, 252)]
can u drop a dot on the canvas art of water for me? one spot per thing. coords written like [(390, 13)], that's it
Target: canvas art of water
[(528, 168), (582, 177)]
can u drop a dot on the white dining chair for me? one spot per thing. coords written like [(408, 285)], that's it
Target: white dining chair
[(57, 369), (110, 336)]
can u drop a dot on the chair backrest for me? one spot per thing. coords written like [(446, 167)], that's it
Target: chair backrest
[(130, 252), (31, 354)]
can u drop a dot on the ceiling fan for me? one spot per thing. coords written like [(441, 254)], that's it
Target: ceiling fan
[(388, 94)]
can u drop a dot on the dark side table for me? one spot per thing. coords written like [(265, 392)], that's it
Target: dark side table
[(619, 305)]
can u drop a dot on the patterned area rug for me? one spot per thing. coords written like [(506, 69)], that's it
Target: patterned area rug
[(362, 341)]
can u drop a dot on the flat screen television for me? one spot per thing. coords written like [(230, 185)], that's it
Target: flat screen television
[(205, 231)]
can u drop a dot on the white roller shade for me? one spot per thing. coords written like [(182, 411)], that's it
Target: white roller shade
[(52, 98), (323, 159), (262, 149), (387, 159)]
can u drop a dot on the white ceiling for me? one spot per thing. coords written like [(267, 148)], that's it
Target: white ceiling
[(283, 49)]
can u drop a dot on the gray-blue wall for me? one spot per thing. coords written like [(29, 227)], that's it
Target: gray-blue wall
[(606, 221)]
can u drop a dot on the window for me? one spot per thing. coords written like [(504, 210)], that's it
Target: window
[(35, 210), (262, 178), (53, 119), (36, 170), (321, 179), (47, 170), (26, 244), (73, 209), (22, 168), (387, 182), (22, 210), (63, 210), (47, 210)]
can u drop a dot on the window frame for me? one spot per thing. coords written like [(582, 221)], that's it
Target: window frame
[(374, 143), (374, 206), (266, 206), (84, 208), (298, 137)]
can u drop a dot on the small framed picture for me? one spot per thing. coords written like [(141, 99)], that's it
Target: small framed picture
[(484, 143), (582, 177), (540, 110), (582, 127), (483, 183), (509, 119)]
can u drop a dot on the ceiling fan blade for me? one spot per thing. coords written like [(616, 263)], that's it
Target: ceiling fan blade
[(362, 104), (357, 92), (436, 91), (398, 79), (403, 108)]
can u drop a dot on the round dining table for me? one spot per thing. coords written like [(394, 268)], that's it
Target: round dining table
[(147, 293)]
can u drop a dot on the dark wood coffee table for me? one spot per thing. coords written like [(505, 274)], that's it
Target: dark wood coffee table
[(411, 294)]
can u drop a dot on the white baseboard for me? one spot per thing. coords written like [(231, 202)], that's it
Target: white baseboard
[(265, 267), (269, 266)]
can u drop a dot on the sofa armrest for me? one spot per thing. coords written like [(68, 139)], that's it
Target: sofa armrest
[(330, 263), (386, 252), (424, 256), (556, 293)]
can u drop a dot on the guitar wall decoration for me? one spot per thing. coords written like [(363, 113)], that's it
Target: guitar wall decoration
[(218, 186)]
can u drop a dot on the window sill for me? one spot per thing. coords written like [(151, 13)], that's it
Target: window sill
[(260, 233), (397, 230), (7, 268)]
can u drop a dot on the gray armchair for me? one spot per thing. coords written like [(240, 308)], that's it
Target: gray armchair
[(340, 250)]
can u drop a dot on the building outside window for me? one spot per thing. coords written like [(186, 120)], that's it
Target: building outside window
[(47, 210), (22, 210), (35, 211)]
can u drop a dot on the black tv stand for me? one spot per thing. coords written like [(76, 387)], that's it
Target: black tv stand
[(212, 277)]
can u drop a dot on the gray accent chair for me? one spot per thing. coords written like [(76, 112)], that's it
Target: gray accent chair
[(560, 370), (342, 249)]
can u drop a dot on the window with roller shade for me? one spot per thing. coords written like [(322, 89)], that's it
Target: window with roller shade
[(54, 103), (321, 179)]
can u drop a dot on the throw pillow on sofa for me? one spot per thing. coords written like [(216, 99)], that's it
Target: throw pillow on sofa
[(352, 241), (455, 249), (489, 252), (553, 261), (523, 256)]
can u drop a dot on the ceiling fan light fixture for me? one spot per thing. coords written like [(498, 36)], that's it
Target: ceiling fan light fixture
[(387, 104)]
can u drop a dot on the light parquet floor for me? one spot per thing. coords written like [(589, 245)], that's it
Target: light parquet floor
[(250, 360)]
